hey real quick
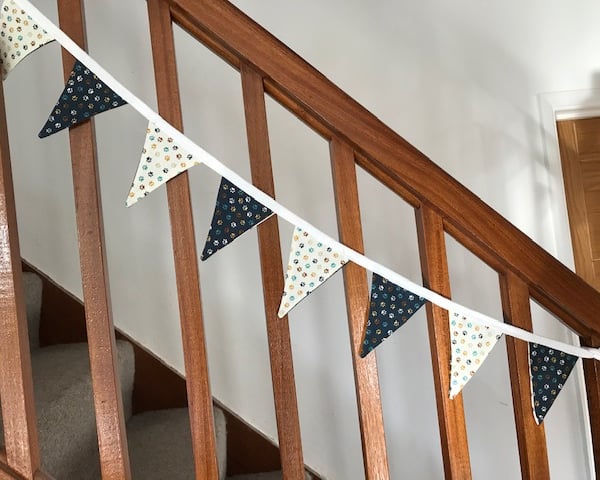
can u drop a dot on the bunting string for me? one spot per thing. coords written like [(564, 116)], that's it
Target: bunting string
[(202, 156)]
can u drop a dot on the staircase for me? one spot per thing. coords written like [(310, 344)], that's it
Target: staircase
[(159, 441), (140, 446)]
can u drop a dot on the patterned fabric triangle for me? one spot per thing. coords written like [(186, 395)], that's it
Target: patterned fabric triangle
[(19, 36), (235, 213), (391, 307), (84, 96), (162, 159), (549, 369), (310, 264), (470, 343)]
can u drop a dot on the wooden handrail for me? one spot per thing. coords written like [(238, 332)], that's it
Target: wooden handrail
[(383, 153)]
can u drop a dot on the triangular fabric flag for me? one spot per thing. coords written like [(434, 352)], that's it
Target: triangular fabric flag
[(549, 369), (236, 212), (84, 96), (470, 344), (19, 36), (162, 159), (311, 262), (391, 306)]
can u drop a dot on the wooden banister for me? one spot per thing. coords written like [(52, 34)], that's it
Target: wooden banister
[(442, 205), (383, 153), (185, 255)]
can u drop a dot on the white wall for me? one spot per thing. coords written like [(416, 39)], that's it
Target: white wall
[(459, 80)]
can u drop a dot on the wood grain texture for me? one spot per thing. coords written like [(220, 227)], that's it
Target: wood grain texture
[(314, 99), (185, 254), (7, 473), (533, 453), (110, 420), (575, 192), (451, 417), (278, 332), (16, 385), (366, 378)]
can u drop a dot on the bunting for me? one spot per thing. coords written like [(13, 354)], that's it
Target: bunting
[(313, 257), (162, 159), (84, 96), (549, 369), (310, 264), (470, 344), (235, 213), (391, 306), (19, 36)]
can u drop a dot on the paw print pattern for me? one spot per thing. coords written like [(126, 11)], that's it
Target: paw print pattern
[(19, 36), (391, 306), (235, 213), (310, 264), (162, 159), (470, 343), (549, 369), (84, 96)]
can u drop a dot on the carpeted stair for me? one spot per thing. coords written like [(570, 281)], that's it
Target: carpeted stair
[(159, 441)]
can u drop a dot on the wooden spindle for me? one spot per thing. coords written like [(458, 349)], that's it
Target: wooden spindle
[(110, 420), (451, 417), (366, 378), (591, 371), (531, 437), (16, 385), (278, 332), (184, 254)]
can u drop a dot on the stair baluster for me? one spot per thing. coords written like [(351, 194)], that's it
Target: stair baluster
[(184, 254), (16, 385), (366, 377), (278, 331), (110, 420), (451, 415), (530, 436)]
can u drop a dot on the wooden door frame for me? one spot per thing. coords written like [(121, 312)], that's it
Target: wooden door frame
[(553, 107)]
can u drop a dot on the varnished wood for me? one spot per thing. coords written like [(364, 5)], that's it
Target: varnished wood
[(531, 437), (366, 377), (383, 153), (184, 254), (7, 473), (591, 371), (451, 417), (16, 385), (581, 216), (110, 420), (280, 348)]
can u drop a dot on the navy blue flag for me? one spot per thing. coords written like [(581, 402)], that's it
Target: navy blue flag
[(84, 96), (235, 213), (391, 307), (549, 369)]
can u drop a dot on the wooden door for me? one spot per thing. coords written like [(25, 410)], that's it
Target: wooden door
[(580, 155)]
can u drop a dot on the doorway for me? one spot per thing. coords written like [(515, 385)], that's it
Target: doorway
[(579, 142)]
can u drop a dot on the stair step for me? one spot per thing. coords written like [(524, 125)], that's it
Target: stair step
[(65, 408), (32, 288), (160, 444)]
